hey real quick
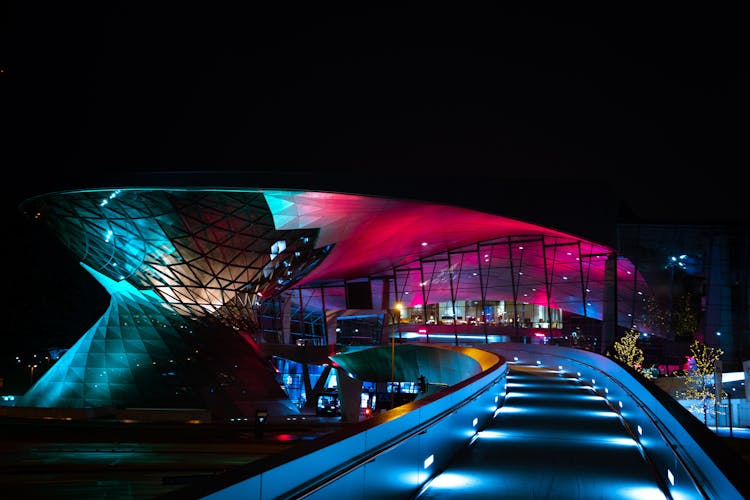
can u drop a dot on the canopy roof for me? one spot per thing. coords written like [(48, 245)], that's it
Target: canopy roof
[(217, 250)]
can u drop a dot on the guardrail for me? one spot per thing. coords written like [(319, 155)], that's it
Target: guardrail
[(391, 455), (690, 460), (394, 454)]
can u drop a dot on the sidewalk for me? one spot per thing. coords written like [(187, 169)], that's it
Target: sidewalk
[(737, 432)]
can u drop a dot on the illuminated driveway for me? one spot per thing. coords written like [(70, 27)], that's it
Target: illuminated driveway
[(553, 439)]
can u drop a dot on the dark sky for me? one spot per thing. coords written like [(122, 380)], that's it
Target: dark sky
[(651, 103), (557, 113)]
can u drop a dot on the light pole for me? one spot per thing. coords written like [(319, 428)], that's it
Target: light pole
[(31, 372), (395, 316)]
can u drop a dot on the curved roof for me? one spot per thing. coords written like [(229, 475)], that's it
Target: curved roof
[(374, 235), (447, 365), (212, 250)]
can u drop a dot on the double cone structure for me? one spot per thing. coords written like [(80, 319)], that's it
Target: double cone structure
[(188, 271)]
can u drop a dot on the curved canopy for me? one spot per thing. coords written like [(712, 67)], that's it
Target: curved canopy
[(216, 251), (438, 364)]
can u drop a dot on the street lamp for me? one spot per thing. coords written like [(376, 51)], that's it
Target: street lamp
[(31, 370), (395, 316)]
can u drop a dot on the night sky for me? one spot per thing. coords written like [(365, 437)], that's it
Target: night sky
[(570, 118)]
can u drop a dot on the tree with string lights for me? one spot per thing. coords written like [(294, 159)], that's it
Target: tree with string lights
[(698, 386), (628, 352)]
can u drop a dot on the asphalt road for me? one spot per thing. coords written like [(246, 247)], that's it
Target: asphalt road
[(100, 460)]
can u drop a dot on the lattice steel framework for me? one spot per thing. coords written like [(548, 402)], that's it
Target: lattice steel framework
[(206, 253)]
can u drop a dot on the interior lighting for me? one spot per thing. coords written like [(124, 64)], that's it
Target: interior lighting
[(424, 243), (428, 461), (620, 403), (559, 367), (474, 422), (493, 338), (670, 476), (640, 431), (578, 374)]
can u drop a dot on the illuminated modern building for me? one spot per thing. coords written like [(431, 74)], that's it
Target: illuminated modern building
[(205, 282)]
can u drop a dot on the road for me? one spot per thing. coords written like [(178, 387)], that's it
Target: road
[(106, 460)]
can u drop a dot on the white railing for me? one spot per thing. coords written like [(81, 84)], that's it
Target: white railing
[(685, 454), (389, 456)]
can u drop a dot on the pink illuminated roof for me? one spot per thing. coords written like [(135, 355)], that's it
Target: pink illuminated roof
[(374, 235), (457, 249)]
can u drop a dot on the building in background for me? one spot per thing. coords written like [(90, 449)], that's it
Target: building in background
[(699, 276)]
